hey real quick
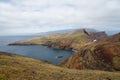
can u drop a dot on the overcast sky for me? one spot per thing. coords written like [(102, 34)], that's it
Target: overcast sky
[(34, 16)]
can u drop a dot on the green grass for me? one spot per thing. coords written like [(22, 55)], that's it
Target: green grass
[(3, 77)]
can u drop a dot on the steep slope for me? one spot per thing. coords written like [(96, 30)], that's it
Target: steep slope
[(15, 67), (103, 54)]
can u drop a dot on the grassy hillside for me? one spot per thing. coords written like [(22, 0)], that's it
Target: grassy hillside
[(15, 67)]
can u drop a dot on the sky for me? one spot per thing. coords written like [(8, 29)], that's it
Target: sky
[(18, 17)]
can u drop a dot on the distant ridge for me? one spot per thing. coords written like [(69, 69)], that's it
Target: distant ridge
[(64, 31)]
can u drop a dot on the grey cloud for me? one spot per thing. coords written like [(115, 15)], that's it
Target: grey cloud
[(38, 15)]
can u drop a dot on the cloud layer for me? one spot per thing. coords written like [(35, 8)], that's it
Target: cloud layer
[(32, 16)]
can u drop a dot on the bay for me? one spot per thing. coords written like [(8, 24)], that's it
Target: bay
[(34, 51)]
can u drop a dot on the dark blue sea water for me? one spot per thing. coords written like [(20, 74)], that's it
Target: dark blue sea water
[(40, 52)]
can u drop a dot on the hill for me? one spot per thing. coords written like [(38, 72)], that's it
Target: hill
[(16, 67), (103, 54)]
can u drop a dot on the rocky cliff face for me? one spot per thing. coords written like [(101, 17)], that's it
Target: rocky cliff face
[(102, 55), (98, 35)]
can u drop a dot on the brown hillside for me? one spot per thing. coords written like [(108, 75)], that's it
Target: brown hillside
[(102, 55)]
